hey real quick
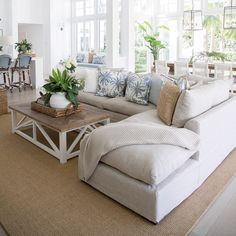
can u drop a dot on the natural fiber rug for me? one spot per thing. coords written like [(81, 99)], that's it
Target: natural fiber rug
[(39, 196)]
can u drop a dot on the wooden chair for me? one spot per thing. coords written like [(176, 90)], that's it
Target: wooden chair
[(201, 69), (223, 71), (22, 67), (161, 67), (5, 63), (181, 68)]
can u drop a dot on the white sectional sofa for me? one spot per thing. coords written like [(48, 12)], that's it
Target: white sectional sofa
[(216, 128)]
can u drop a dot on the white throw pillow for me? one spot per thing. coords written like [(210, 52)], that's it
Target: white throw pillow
[(91, 81), (196, 101)]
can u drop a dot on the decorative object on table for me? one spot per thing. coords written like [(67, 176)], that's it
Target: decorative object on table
[(152, 37), (90, 56), (3, 101), (54, 112), (111, 84), (192, 19), (230, 17), (62, 89), (138, 88), (22, 66), (23, 47), (69, 64)]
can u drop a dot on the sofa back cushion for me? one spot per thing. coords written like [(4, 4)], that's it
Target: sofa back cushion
[(111, 84), (155, 90), (167, 102), (138, 88), (194, 102)]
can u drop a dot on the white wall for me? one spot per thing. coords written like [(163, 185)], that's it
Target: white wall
[(5, 16), (60, 30)]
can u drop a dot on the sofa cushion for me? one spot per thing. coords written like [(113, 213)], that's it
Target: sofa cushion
[(149, 163), (196, 101), (111, 84), (167, 102), (92, 99), (121, 105), (155, 90), (138, 88), (98, 59)]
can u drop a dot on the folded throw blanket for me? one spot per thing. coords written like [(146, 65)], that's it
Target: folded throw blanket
[(113, 136)]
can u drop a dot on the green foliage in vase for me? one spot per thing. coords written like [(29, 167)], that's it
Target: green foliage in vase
[(63, 82), (23, 47), (152, 37)]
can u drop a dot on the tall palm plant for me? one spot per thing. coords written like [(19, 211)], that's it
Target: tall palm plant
[(152, 38)]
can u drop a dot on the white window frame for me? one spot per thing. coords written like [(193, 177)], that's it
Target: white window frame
[(96, 17)]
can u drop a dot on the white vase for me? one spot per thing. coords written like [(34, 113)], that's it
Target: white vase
[(58, 100)]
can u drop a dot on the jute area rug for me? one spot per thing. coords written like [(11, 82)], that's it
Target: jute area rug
[(39, 196)]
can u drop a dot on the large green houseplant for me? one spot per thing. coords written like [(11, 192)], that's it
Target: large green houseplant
[(23, 47), (152, 38), (64, 84)]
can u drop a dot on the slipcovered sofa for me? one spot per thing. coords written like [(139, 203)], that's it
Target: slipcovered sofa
[(179, 171), (118, 108)]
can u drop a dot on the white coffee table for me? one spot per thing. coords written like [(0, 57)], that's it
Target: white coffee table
[(81, 122)]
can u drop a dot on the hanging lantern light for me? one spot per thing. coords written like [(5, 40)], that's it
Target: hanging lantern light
[(192, 19), (230, 16)]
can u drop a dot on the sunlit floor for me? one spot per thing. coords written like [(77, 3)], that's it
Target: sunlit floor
[(27, 95)]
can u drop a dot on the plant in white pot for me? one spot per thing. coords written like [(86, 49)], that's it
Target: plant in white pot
[(62, 89)]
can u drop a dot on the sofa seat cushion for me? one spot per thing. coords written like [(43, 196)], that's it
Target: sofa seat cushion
[(145, 117), (148, 163), (92, 99), (121, 105)]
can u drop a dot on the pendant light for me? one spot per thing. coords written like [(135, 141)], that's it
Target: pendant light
[(192, 19), (230, 16)]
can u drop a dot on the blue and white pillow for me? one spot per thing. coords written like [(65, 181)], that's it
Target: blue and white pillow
[(80, 57), (111, 84), (138, 88), (98, 59)]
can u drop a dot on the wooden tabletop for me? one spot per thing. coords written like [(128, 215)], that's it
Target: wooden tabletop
[(61, 124)]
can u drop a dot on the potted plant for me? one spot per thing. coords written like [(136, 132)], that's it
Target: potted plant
[(62, 89), (23, 47), (152, 37)]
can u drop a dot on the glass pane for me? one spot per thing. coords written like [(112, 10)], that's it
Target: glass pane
[(102, 34), (79, 8), (230, 17), (80, 37), (101, 6), (217, 4), (168, 6), (89, 35), (89, 8), (189, 6)]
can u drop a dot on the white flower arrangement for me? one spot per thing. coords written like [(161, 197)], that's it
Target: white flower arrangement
[(69, 65)]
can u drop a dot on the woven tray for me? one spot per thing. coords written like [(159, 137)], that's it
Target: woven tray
[(3, 101), (53, 112)]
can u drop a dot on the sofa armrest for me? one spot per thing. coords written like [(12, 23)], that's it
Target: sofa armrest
[(217, 130)]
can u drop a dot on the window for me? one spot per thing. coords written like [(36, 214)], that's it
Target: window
[(101, 6), (89, 7), (79, 8), (168, 6), (217, 4), (102, 35)]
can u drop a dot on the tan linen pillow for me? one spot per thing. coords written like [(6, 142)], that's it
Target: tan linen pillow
[(167, 102), (90, 57)]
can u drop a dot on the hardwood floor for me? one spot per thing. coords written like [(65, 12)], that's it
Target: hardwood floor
[(25, 96)]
